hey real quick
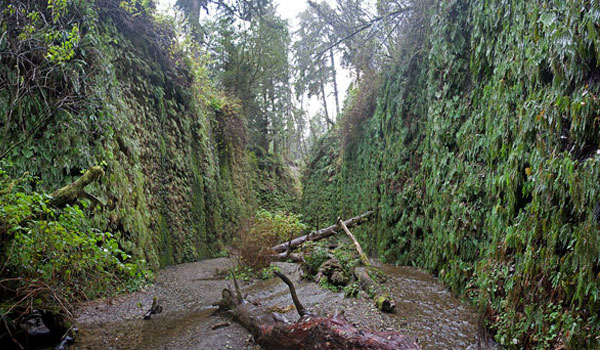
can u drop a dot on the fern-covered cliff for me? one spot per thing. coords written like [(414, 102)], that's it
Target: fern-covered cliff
[(118, 88), (481, 161), (104, 83)]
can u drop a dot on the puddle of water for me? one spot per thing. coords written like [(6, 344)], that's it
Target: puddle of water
[(141, 334)]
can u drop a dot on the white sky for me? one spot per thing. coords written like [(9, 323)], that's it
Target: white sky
[(289, 9)]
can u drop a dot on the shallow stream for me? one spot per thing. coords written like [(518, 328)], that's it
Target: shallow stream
[(425, 311)]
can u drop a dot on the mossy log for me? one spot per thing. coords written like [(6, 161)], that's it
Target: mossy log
[(70, 193), (320, 234), (382, 299), (309, 332)]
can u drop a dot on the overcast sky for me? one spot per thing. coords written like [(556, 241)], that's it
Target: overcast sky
[(289, 9)]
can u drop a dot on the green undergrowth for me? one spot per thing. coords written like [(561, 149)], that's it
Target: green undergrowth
[(481, 162), (275, 186), (53, 257), (260, 233), (345, 258)]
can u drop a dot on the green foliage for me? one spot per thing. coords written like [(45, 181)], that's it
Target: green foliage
[(251, 62), (352, 290), (481, 163), (275, 186), (242, 273), (259, 235), (347, 256), (324, 283), (315, 255), (168, 195), (135, 7), (54, 256), (269, 272), (321, 192), (281, 224), (359, 106)]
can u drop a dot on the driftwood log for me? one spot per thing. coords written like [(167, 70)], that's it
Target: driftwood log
[(320, 234), (309, 332)]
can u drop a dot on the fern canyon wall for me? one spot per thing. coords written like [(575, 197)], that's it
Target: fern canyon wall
[(174, 152), (116, 105), (478, 151)]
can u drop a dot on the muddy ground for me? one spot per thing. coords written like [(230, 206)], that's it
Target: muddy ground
[(425, 310)]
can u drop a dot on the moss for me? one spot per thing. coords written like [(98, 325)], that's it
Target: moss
[(73, 191)]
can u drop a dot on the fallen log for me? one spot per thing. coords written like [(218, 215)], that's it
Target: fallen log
[(69, 194), (361, 253), (320, 234), (297, 258), (309, 332), (383, 300)]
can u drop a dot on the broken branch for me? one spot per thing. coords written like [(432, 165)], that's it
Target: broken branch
[(361, 253), (297, 304), (69, 194)]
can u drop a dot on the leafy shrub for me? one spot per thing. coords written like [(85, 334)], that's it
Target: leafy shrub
[(53, 256), (269, 272), (352, 290), (261, 233)]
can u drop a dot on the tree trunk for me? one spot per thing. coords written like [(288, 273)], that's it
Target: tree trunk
[(309, 332), (324, 97), (70, 193), (335, 86), (361, 253), (320, 234)]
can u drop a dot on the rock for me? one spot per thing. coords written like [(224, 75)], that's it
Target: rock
[(334, 272)]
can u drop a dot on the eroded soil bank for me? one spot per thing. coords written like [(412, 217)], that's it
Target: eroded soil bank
[(425, 310)]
